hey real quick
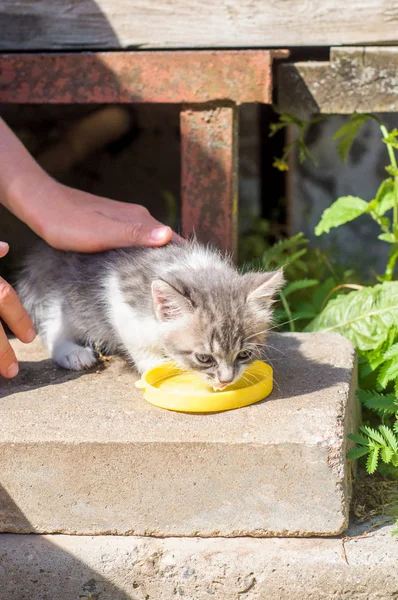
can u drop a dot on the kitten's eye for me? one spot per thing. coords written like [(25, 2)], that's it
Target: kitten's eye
[(205, 359), (244, 355)]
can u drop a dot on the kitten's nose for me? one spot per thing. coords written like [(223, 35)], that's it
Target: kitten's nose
[(226, 376), (225, 381)]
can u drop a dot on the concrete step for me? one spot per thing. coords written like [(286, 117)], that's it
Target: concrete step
[(63, 567), (83, 453)]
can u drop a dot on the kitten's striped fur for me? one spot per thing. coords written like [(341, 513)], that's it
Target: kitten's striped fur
[(179, 302)]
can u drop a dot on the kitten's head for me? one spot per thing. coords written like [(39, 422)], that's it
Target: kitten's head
[(216, 326)]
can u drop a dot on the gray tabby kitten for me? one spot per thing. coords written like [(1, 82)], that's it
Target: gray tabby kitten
[(186, 303)]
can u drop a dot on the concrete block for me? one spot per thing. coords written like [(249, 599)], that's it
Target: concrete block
[(83, 453), (129, 568)]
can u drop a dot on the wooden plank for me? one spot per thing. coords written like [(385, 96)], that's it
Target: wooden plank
[(113, 24), (120, 77), (355, 80)]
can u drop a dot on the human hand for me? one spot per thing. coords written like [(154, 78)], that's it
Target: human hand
[(69, 219), (66, 218), (17, 319)]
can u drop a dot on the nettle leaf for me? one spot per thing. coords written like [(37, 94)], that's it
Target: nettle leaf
[(357, 452), (364, 316), (345, 209), (384, 404), (384, 199), (300, 284)]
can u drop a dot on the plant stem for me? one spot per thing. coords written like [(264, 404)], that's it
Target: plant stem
[(394, 250), (393, 162), (287, 311)]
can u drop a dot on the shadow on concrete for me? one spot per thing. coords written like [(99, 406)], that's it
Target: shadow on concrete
[(38, 374), (296, 374), (34, 568)]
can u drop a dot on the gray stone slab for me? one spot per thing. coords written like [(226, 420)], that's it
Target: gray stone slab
[(130, 568), (85, 454)]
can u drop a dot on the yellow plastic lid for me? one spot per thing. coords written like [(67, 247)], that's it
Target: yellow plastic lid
[(168, 386)]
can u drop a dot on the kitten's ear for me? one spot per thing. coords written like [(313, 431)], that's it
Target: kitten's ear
[(169, 303), (263, 287)]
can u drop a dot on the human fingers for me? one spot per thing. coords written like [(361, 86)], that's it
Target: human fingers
[(14, 314), (8, 361)]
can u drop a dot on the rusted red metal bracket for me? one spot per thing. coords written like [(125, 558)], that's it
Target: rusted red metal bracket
[(208, 84)]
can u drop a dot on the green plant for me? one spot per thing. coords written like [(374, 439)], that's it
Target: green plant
[(302, 126), (311, 279), (369, 316)]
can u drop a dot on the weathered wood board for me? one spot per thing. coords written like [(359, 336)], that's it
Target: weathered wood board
[(355, 80), (112, 24)]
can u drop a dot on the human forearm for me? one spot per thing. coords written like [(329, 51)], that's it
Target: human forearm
[(21, 177)]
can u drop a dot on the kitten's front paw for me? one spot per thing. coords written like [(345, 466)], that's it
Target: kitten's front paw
[(73, 357)]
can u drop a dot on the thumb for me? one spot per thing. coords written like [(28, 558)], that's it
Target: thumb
[(147, 234), (4, 248), (118, 234)]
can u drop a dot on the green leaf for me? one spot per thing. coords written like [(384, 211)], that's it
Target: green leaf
[(386, 455), (355, 453), (364, 316), (384, 199), (277, 255), (387, 237), (300, 284), (373, 460), (390, 437), (384, 404), (275, 127), (343, 210), (392, 259), (347, 133), (391, 138), (373, 434), (392, 352), (392, 170), (359, 439), (387, 373)]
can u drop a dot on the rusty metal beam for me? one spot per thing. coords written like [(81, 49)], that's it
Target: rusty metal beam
[(137, 77), (209, 174), (355, 80), (211, 84)]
